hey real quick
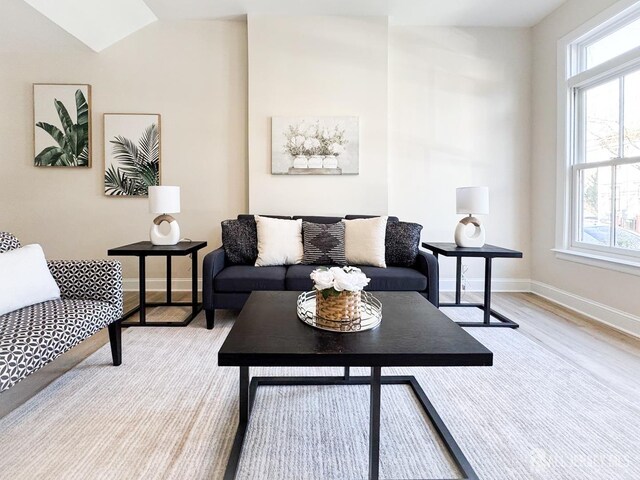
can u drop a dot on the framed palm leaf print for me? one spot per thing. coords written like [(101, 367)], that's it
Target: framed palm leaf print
[(62, 125), (131, 153)]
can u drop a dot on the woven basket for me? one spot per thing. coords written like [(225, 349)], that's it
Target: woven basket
[(339, 308)]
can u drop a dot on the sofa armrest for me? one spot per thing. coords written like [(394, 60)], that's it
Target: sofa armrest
[(99, 280), (212, 264), (427, 264)]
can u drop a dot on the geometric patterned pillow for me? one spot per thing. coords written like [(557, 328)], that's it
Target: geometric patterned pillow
[(240, 241), (323, 243), (401, 243)]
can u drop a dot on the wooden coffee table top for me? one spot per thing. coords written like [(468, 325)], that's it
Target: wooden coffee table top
[(412, 333)]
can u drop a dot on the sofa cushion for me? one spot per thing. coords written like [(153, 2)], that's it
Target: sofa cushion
[(33, 336), (298, 277), (383, 279), (25, 279), (323, 243), (364, 241), (240, 241), (402, 243), (279, 241), (246, 278), (395, 279)]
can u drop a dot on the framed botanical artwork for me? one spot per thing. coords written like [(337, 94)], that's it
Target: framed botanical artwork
[(314, 146), (62, 118), (131, 153)]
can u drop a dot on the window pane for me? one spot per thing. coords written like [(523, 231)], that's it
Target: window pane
[(612, 45), (632, 115), (595, 208), (628, 206), (602, 136)]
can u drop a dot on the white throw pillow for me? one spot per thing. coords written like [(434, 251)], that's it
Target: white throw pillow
[(25, 279), (279, 241), (364, 241)]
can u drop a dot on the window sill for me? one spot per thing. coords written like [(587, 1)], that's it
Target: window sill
[(609, 263)]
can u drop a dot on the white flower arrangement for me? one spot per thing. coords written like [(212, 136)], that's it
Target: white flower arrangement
[(333, 281), (311, 146), (307, 140)]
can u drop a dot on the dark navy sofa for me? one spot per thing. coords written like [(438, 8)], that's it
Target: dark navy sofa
[(228, 286)]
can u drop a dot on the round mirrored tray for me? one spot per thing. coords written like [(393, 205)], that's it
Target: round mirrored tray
[(370, 314)]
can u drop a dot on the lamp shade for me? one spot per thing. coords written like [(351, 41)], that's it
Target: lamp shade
[(164, 199), (472, 200)]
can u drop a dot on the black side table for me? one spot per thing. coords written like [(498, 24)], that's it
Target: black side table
[(142, 250), (488, 252)]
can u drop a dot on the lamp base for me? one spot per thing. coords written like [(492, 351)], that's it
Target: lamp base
[(470, 233), (159, 238)]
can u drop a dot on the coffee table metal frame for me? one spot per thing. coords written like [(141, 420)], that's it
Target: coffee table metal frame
[(249, 387)]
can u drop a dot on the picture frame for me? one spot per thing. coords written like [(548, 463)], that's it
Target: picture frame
[(312, 145), (62, 125), (132, 153)]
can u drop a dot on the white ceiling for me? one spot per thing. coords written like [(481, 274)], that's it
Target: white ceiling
[(97, 23), (101, 23), (503, 13)]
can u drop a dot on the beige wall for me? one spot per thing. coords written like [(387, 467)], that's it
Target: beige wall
[(192, 73), (459, 109), (610, 288), (428, 99), (318, 66)]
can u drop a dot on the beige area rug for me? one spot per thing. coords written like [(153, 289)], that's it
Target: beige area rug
[(170, 412)]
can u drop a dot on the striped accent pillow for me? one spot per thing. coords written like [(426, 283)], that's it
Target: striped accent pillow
[(323, 243)]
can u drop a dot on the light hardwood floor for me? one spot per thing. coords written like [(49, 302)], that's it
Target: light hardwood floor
[(610, 356)]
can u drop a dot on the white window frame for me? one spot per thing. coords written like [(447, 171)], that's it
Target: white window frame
[(571, 60)]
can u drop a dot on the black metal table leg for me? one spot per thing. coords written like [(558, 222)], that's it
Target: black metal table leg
[(347, 373), (487, 291), (244, 410), (168, 278), (244, 395), (374, 424), (458, 279), (143, 289), (194, 283)]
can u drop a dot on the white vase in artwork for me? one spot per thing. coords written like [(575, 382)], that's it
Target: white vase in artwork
[(330, 161), (315, 161), (300, 161)]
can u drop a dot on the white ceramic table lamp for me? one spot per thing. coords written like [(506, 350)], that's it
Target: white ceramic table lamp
[(164, 200), (469, 201)]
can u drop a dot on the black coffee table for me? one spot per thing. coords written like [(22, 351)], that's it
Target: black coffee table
[(413, 333)]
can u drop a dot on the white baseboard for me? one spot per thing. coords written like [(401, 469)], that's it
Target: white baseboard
[(623, 321), (497, 285), (160, 284)]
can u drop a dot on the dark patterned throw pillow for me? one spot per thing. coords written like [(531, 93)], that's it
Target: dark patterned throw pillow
[(401, 243), (323, 243), (240, 241)]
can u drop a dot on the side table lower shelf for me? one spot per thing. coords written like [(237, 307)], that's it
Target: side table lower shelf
[(147, 323), (502, 320)]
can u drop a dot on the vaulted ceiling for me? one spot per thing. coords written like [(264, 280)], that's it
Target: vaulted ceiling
[(101, 23)]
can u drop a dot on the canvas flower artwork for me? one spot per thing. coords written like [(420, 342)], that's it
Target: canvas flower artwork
[(315, 146)]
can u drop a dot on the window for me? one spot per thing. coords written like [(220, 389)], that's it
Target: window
[(601, 158)]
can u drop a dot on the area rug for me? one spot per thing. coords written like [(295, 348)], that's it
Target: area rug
[(170, 412)]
